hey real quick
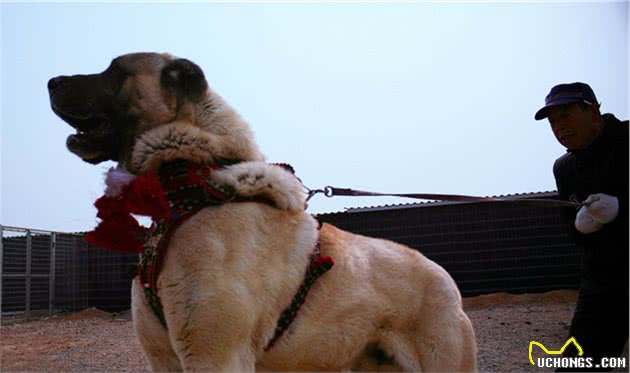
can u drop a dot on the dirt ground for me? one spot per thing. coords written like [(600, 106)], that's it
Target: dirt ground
[(93, 340)]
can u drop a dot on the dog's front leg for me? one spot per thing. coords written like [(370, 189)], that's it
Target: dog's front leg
[(210, 330), (259, 179), (152, 336)]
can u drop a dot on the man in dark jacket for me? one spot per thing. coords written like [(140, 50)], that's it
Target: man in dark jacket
[(594, 171)]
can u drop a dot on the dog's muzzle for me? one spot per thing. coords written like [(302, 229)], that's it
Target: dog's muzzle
[(96, 139)]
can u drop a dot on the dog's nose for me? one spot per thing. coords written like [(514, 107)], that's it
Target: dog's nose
[(54, 82)]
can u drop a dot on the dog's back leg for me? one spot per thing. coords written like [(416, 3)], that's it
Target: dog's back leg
[(468, 360), (444, 336), (435, 335), (449, 345), (152, 335), (446, 345), (402, 350)]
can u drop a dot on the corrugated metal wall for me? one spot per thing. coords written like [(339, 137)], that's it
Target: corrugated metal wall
[(109, 279), (71, 258), (47, 273), (14, 275), (486, 247)]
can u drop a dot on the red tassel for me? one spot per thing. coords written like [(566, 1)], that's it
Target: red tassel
[(145, 196), (120, 233), (110, 207), (118, 230)]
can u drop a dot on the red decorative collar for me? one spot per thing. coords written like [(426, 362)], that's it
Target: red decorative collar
[(178, 191)]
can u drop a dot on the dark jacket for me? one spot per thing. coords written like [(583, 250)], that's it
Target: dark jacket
[(600, 168)]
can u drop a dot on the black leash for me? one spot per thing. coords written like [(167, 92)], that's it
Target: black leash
[(330, 192)]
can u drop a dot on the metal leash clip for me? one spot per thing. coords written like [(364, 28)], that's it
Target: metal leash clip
[(327, 191)]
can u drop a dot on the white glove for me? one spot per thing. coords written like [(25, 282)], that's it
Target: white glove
[(585, 223), (603, 208)]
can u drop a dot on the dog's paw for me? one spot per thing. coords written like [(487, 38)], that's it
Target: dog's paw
[(271, 182)]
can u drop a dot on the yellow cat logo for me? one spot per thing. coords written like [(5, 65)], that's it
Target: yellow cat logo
[(558, 352)]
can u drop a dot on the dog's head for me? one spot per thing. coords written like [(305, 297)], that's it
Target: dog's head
[(139, 93)]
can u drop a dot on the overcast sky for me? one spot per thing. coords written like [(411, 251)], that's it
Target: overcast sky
[(425, 97)]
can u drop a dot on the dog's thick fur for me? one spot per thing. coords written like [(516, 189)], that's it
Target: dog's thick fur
[(229, 271)]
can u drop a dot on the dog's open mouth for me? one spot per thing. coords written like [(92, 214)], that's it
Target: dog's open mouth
[(81, 122), (95, 137)]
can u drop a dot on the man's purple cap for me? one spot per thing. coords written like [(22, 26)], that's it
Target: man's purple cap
[(566, 94)]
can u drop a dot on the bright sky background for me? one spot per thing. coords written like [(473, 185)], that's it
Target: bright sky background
[(393, 96)]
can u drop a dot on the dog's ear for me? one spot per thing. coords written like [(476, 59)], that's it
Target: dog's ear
[(184, 77)]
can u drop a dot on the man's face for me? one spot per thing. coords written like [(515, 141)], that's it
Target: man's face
[(574, 127)]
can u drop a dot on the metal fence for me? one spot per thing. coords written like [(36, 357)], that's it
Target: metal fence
[(485, 247), (45, 273)]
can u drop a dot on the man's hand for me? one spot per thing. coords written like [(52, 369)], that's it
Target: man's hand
[(585, 223), (603, 208)]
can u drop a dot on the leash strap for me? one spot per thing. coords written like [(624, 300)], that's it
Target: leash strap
[(330, 191)]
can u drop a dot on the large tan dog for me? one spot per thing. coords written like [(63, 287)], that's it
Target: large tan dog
[(230, 271)]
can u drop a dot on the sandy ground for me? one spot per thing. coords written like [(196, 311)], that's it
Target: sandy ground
[(93, 340)]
